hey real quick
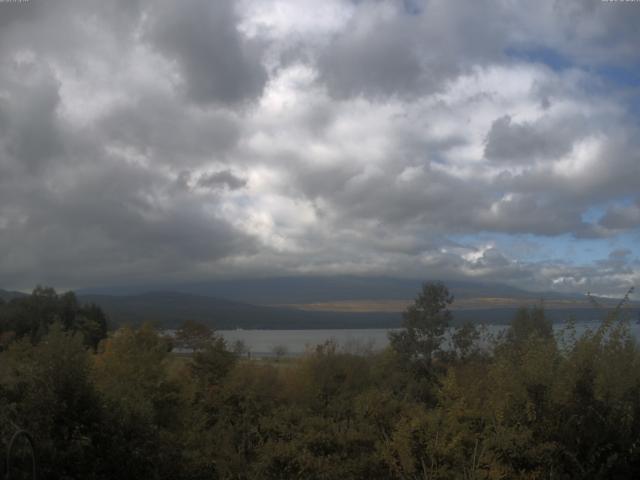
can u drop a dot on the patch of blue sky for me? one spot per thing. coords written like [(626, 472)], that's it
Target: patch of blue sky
[(413, 7), (623, 76), (539, 54), (531, 248), (622, 82), (628, 76), (619, 80), (594, 213)]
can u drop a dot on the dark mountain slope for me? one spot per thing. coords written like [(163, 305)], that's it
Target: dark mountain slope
[(7, 295), (169, 309), (289, 290)]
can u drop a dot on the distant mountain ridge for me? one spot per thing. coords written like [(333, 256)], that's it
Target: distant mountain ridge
[(8, 294), (297, 290), (170, 309), (318, 302)]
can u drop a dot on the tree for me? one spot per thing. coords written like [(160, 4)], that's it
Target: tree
[(213, 362), (425, 323), (529, 322), (280, 351), (91, 321), (142, 403), (240, 348), (32, 316), (464, 340), (47, 390), (194, 336)]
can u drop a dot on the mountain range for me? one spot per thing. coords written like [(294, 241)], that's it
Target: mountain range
[(313, 289), (320, 302)]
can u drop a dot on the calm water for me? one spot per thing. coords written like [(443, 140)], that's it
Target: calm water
[(296, 342)]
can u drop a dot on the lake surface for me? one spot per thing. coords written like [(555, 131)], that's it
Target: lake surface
[(262, 343), (296, 342)]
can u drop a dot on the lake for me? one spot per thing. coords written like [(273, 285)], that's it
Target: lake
[(262, 343)]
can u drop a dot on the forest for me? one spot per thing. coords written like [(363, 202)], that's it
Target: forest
[(439, 403)]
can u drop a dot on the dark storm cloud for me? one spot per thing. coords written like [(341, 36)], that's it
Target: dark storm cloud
[(523, 142), (33, 138), (116, 220), (87, 181), (15, 13), (219, 65), (387, 49), (620, 217), (380, 61), (224, 178), (30, 135), (165, 131), (64, 28)]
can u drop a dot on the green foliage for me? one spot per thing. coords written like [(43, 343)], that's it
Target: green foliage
[(524, 407), (193, 336), (32, 316), (47, 389), (418, 346), (424, 324), (529, 322), (212, 362), (464, 341), (142, 405)]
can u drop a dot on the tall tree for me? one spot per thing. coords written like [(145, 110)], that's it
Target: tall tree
[(425, 323), (32, 316)]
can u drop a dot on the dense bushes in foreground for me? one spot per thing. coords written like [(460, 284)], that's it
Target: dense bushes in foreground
[(524, 405)]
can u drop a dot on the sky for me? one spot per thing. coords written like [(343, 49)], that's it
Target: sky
[(145, 141)]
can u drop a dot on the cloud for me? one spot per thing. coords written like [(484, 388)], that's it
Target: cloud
[(224, 178), (508, 141), (165, 132), (114, 220), (620, 217), (30, 132), (195, 139), (389, 49), (218, 64)]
